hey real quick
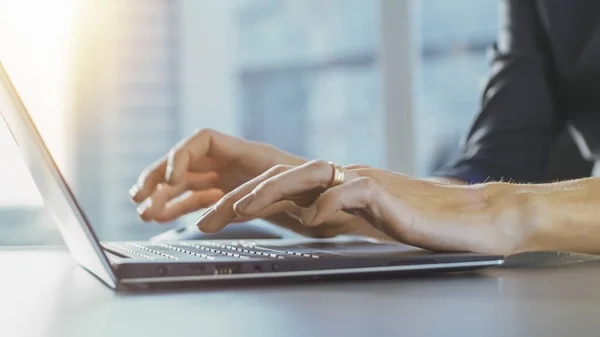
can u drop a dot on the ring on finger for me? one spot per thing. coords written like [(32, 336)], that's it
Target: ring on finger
[(338, 175)]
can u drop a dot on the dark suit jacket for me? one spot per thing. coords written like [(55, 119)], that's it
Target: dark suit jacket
[(544, 79)]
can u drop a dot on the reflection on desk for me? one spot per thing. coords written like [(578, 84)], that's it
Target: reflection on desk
[(44, 293)]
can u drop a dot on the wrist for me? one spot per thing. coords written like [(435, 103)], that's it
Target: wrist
[(511, 217), (485, 218)]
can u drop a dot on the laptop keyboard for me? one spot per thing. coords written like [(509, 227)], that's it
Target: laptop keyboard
[(205, 250)]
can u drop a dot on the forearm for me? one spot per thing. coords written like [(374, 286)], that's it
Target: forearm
[(564, 216), (531, 217)]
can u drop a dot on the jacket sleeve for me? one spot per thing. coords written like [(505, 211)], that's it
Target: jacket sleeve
[(518, 123)]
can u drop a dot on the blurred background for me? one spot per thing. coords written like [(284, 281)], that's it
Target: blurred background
[(113, 84)]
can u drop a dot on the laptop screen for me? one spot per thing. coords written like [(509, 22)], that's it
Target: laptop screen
[(51, 183)]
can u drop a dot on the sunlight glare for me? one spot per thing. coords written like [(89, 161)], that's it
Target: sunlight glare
[(35, 41)]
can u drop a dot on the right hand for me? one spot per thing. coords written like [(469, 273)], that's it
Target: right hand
[(205, 166)]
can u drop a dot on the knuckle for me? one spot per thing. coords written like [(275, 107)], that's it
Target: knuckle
[(263, 187), (227, 200), (368, 184), (369, 190), (365, 172), (322, 173), (278, 169), (203, 132), (318, 164), (330, 196)]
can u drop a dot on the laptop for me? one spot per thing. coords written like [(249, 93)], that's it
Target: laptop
[(132, 264)]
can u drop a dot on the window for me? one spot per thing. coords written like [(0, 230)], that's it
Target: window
[(302, 75), (114, 84), (110, 63), (139, 75), (454, 38)]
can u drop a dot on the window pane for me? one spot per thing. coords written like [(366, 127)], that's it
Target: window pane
[(455, 36), (309, 76)]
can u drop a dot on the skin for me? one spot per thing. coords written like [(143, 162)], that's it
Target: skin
[(241, 180)]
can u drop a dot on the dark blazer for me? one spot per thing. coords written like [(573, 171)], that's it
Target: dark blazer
[(544, 79)]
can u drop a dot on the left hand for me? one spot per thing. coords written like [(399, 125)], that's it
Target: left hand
[(417, 212)]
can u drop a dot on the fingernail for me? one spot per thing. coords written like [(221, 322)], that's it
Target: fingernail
[(308, 215), (244, 202), (144, 206), (206, 218), (133, 191)]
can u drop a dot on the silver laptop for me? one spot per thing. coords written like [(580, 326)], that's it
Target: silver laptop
[(125, 265)]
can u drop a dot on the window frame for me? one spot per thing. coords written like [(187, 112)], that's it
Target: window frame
[(400, 62)]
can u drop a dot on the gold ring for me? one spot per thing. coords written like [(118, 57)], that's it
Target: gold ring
[(338, 175)]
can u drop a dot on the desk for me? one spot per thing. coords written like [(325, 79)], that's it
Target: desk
[(44, 293)]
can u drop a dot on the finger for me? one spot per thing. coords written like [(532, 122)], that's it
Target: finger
[(359, 194), (223, 212), (163, 194), (277, 208), (194, 152), (178, 163), (200, 181), (369, 200), (173, 166), (148, 180), (191, 203), (150, 207), (362, 213), (312, 176)]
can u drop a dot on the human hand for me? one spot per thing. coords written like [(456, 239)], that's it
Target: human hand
[(197, 172), (417, 212)]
